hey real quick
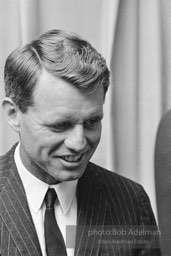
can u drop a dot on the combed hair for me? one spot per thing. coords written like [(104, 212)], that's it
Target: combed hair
[(63, 54)]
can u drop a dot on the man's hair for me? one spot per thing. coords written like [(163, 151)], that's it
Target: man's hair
[(63, 54)]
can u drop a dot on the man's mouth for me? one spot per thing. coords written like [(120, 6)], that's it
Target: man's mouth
[(71, 158)]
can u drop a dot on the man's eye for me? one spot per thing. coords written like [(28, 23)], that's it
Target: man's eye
[(92, 123), (61, 126)]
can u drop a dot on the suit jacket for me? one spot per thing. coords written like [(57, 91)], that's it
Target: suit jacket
[(107, 203)]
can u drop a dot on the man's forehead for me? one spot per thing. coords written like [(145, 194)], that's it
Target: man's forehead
[(59, 93), (70, 112)]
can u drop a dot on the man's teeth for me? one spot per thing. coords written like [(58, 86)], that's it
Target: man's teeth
[(71, 158)]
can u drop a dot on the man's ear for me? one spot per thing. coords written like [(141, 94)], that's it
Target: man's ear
[(11, 112)]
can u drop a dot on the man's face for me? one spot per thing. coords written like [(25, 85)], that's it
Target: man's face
[(60, 133)]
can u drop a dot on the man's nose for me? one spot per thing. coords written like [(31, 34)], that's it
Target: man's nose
[(76, 139)]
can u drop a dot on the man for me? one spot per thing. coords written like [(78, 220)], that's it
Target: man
[(55, 88)]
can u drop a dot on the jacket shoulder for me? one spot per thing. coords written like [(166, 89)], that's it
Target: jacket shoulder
[(7, 160), (113, 179), (124, 196)]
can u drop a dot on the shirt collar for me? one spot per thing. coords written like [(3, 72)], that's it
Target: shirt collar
[(36, 189)]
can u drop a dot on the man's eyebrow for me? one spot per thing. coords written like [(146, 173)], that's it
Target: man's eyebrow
[(96, 115), (70, 118), (62, 119)]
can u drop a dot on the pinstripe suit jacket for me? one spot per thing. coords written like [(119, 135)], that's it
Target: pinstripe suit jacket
[(104, 198)]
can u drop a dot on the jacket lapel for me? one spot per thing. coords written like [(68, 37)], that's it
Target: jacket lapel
[(14, 210), (91, 213)]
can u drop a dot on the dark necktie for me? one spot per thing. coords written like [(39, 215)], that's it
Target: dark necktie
[(55, 245)]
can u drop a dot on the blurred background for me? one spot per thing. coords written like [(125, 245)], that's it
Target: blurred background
[(134, 37)]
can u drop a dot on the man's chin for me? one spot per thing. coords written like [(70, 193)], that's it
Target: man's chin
[(68, 175)]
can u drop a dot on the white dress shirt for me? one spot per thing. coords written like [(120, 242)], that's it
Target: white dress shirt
[(35, 189)]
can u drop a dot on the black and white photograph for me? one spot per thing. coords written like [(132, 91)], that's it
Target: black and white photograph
[(85, 127)]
